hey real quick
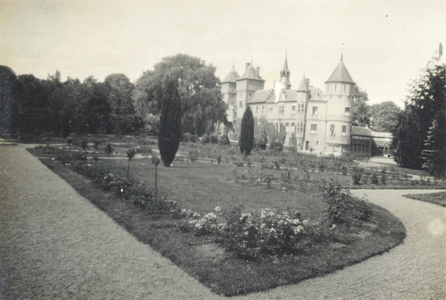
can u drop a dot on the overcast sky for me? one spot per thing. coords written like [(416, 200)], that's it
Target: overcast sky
[(386, 43)]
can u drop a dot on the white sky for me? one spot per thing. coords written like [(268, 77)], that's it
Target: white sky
[(386, 43)]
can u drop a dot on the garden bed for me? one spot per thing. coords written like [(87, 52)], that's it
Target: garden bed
[(201, 187)]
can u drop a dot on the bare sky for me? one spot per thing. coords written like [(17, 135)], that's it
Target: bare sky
[(386, 43)]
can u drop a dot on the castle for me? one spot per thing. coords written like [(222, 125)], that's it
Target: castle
[(310, 119)]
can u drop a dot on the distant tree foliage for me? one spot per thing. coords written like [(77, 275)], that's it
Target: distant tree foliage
[(59, 107), (246, 141), (384, 116), (408, 141), (198, 87), (8, 85), (170, 120), (361, 108), (425, 112)]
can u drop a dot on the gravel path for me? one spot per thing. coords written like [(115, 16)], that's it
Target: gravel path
[(54, 244)]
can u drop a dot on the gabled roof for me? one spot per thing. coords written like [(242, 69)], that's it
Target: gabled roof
[(340, 74), (232, 76), (303, 85), (250, 73), (364, 131), (262, 96), (316, 94)]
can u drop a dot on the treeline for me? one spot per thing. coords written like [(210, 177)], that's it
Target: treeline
[(31, 106), (420, 134), (35, 105)]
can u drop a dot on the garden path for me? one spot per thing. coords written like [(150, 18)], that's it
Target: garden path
[(54, 244)]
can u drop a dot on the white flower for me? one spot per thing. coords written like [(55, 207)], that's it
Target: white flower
[(262, 214), (198, 226), (217, 209), (295, 222), (298, 229), (305, 222)]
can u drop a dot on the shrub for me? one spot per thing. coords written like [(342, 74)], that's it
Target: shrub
[(262, 141), (342, 208), (213, 139), (84, 145), (186, 137), (193, 155), (374, 179), (344, 170), (205, 139), (276, 146), (193, 138), (224, 139), (144, 150), (357, 174), (252, 235)]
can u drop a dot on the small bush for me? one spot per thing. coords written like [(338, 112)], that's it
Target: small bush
[(357, 174), (193, 155), (193, 138), (374, 179), (342, 208), (213, 139), (344, 170), (186, 137), (205, 139), (276, 146), (224, 140)]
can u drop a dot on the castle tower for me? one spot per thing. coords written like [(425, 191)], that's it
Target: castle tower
[(339, 93), (229, 93), (302, 96), (247, 84), (285, 74)]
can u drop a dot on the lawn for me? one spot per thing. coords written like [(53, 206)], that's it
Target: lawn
[(435, 198), (201, 186)]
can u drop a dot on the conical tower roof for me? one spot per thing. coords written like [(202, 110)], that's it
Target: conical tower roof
[(340, 74), (232, 76), (303, 85)]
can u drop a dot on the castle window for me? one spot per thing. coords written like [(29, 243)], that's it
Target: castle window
[(332, 130), (287, 124), (344, 130), (241, 104), (347, 111), (257, 108), (281, 110), (293, 110), (263, 108), (336, 87), (313, 129), (292, 124), (314, 110), (270, 109)]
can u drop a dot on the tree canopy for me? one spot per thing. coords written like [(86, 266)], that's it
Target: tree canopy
[(426, 105), (198, 87), (384, 116), (361, 109)]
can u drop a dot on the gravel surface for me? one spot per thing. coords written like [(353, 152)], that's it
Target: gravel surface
[(54, 244)]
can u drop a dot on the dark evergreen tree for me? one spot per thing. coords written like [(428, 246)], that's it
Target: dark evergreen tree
[(246, 141), (169, 136), (8, 82), (407, 140)]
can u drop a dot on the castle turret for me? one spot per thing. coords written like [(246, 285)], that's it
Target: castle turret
[(339, 93), (229, 93)]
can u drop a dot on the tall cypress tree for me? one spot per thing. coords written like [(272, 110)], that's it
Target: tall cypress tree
[(170, 122), (246, 141)]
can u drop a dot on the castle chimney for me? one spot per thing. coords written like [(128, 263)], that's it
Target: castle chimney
[(247, 65)]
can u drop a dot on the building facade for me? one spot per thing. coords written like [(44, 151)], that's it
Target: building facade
[(309, 119)]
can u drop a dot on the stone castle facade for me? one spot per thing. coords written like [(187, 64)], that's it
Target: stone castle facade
[(312, 120)]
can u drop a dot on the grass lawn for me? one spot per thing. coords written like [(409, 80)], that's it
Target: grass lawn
[(435, 198), (202, 186)]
